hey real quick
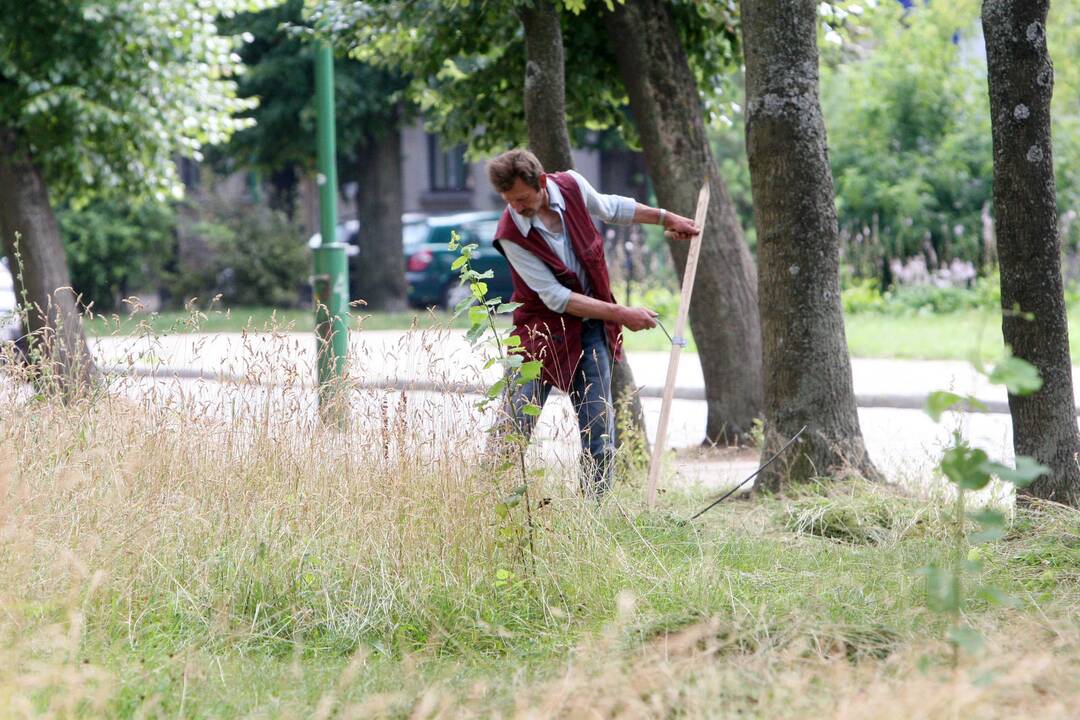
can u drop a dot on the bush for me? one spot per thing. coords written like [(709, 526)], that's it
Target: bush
[(256, 258), (863, 296), (114, 248)]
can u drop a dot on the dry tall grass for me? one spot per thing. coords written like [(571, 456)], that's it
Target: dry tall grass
[(188, 548)]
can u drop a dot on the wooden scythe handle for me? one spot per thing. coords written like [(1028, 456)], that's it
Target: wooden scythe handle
[(676, 346)]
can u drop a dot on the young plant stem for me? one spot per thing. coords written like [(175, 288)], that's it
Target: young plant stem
[(956, 579), (508, 394)]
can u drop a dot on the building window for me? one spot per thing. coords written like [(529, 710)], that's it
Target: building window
[(447, 166)]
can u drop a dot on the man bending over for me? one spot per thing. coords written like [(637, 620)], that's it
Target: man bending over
[(568, 318)]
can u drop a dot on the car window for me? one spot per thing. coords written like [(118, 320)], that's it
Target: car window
[(414, 234), (8, 302), (486, 232)]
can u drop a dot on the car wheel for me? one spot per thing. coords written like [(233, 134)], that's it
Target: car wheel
[(455, 293)]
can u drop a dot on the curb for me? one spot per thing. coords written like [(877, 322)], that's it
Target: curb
[(893, 402)]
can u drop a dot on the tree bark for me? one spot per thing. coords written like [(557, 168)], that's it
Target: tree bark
[(805, 357), (42, 282), (545, 85), (549, 139), (380, 273), (670, 121), (1021, 83)]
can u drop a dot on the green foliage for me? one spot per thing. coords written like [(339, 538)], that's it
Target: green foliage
[(243, 255), (467, 60), (104, 94), (909, 132), (969, 468), (259, 258), (114, 248), (515, 532), (279, 60), (864, 295), (909, 136)]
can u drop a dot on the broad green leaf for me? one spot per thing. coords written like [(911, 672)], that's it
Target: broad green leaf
[(1027, 471), (512, 341), (986, 536), (1019, 376), (511, 361), (531, 409), (494, 391), (474, 333), (968, 565), (507, 307), (479, 290), (515, 496), (988, 518), (530, 370), (963, 465), (461, 260), (942, 589), (463, 304), (940, 401), (477, 315), (998, 596), (502, 511), (966, 638)]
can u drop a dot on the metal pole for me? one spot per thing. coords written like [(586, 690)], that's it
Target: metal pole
[(331, 279)]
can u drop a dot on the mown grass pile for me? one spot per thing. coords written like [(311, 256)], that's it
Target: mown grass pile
[(162, 554)]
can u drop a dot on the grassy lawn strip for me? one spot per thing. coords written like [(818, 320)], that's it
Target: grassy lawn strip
[(951, 336)]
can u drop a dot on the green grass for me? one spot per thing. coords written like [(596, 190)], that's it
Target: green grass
[(259, 320), (162, 568), (951, 336)]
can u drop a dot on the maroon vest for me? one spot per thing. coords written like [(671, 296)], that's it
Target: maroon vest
[(550, 337)]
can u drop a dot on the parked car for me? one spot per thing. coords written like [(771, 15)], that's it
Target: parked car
[(428, 259), (348, 234), (10, 325)]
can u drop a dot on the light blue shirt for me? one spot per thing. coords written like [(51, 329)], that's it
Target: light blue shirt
[(614, 209)]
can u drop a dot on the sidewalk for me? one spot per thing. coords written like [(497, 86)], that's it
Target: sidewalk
[(903, 442), (433, 359)]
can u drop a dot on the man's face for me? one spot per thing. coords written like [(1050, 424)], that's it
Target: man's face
[(525, 200)]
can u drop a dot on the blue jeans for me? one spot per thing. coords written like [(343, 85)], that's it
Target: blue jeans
[(590, 393)]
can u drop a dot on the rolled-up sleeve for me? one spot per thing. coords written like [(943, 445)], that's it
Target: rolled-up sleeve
[(614, 209), (537, 276)]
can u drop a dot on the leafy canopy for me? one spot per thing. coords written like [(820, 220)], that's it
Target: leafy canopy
[(104, 94), (466, 60), (279, 62)]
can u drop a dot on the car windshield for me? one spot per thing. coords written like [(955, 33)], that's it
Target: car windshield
[(7, 291), (414, 233), (485, 231)]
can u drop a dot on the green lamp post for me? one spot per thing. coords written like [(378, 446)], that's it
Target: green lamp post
[(331, 278)]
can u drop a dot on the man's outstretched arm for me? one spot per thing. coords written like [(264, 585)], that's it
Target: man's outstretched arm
[(632, 318), (675, 226)]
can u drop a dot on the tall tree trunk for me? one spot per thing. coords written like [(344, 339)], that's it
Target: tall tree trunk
[(545, 85), (380, 273), (284, 189), (549, 139), (670, 121), (805, 356), (1021, 79), (39, 265)]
